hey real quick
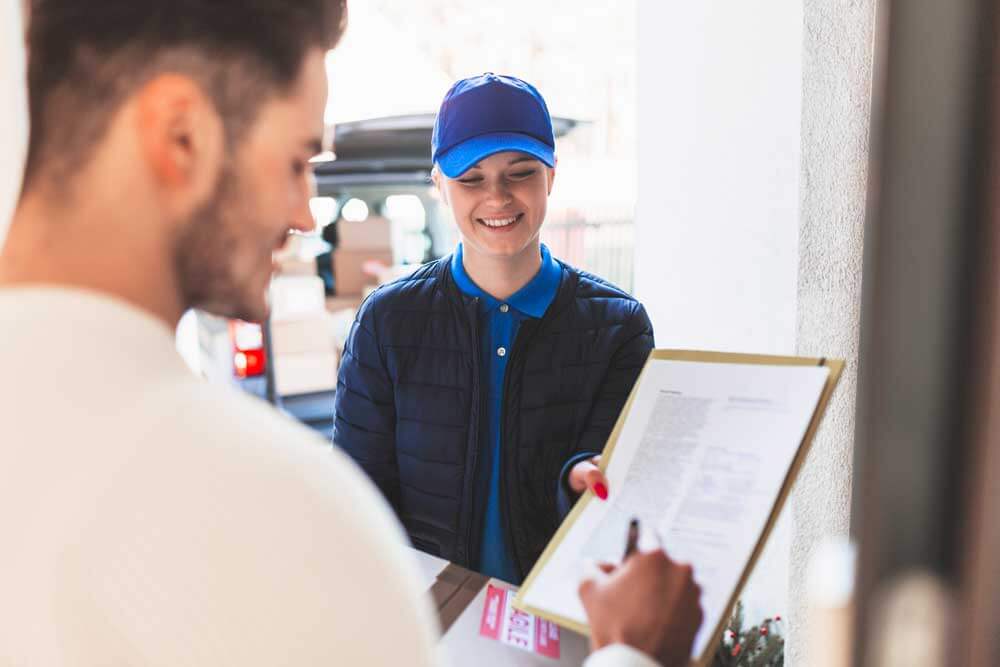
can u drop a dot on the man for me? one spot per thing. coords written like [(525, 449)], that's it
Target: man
[(150, 518), (482, 460)]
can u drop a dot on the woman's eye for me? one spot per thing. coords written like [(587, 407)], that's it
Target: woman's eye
[(298, 168), (523, 174), (469, 181)]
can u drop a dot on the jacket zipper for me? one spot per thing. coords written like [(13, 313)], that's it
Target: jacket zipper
[(508, 532), (520, 343), (473, 471)]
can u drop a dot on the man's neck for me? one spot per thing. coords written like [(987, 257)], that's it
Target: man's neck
[(501, 277), (75, 249)]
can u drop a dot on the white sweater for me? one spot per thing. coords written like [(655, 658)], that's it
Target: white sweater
[(150, 518)]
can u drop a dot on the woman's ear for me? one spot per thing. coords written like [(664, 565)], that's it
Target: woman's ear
[(438, 181), (552, 176)]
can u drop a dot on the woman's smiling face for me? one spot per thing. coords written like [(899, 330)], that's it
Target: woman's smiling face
[(499, 203)]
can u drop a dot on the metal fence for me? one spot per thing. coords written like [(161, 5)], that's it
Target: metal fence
[(602, 247)]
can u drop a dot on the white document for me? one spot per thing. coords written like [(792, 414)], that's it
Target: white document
[(701, 459)]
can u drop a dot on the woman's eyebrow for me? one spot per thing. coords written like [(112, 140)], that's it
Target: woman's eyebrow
[(523, 158)]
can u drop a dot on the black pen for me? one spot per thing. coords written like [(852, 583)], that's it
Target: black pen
[(632, 541)]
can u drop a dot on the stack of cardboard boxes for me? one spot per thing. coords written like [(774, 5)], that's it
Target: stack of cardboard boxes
[(307, 329), (362, 245), (306, 351)]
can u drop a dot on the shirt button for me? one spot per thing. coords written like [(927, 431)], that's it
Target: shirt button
[(501, 351), (504, 307)]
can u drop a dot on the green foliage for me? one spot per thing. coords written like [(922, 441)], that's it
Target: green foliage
[(758, 646)]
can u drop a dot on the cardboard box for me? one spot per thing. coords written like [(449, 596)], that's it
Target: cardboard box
[(430, 567), (464, 600), (305, 373), (307, 334), (372, 233), (296, 266), (336, 304), (295, 296), (347, 269), (466, 641)]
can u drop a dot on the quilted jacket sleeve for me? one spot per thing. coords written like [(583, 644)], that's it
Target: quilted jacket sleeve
[(365, 414), (623, 371)]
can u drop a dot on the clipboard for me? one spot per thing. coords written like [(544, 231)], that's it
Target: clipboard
[(835, 367)]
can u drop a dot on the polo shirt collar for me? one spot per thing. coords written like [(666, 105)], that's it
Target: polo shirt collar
[(533, 299)]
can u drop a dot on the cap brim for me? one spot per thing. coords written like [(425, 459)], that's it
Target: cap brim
[(458, 159)]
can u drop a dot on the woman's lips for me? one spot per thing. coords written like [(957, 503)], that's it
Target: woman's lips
[(500, 223)]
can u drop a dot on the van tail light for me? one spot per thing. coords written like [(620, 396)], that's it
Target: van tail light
[(248, 348)]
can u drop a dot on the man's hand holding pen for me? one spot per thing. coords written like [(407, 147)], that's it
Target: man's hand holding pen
[(649, 602)]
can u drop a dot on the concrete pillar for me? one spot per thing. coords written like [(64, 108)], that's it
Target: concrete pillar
[(836, 92)]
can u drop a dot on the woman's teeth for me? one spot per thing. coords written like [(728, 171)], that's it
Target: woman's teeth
[(498, 222)]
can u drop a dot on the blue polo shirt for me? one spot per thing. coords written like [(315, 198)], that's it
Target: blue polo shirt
[(498, 324)]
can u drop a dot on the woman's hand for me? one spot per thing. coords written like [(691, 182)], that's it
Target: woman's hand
[(586, 475)]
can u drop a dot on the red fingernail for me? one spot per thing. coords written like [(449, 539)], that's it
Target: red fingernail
[(601, 491)]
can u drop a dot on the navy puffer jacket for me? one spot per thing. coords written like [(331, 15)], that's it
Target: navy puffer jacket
[(410, 406)]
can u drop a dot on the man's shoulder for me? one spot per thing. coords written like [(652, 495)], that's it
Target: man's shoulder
[(230, 494), (239, 419), (260, 452)]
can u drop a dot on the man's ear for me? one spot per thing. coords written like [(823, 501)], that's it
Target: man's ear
[(181, 136), (552, 175)]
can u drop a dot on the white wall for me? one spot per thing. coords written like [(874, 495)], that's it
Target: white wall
[(717, 214), (717, 221), (13, 111)]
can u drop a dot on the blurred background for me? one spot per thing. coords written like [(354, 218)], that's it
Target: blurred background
[(797, 177), (399, 60), (378, 216), (808, 177)]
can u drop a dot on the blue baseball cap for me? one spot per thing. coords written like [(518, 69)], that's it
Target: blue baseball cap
[(488, 114)]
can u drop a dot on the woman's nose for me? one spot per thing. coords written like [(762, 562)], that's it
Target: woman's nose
[(499, 195)]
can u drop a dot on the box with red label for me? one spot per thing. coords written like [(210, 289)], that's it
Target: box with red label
[(503, 623), (478, 620)]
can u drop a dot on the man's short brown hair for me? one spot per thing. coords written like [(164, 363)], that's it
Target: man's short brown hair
[(86, 56)]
